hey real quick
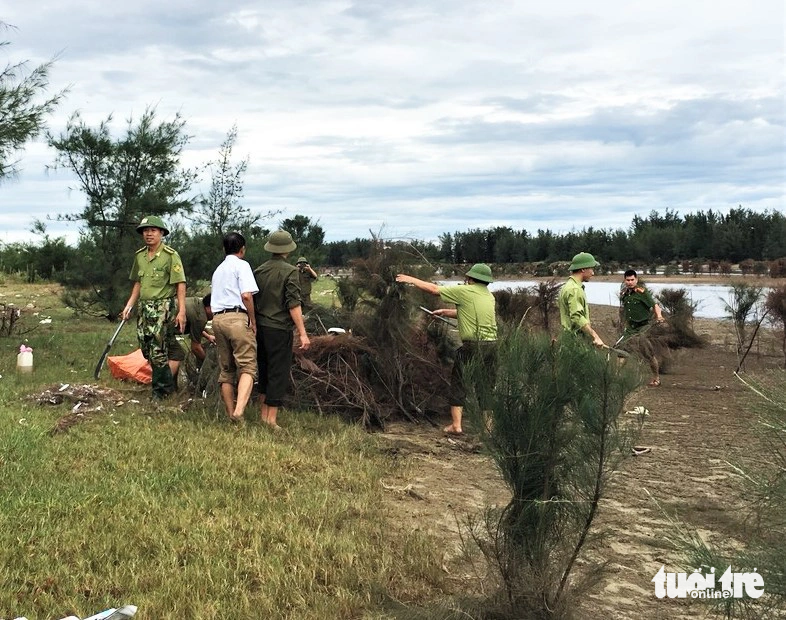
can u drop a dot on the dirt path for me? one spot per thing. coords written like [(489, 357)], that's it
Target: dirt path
[(698, 421)]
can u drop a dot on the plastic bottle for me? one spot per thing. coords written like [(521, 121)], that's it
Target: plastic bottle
[(24, 361)]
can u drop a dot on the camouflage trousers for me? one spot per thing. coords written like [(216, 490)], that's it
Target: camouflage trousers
[(155, 329)]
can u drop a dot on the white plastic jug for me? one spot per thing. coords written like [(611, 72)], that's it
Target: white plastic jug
[(24, 361)]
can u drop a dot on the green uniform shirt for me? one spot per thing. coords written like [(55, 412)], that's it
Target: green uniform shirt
[(279, 290), (196, 318), (573, 308), (637, 304), (159, 276), (306, 279), (475, 310)]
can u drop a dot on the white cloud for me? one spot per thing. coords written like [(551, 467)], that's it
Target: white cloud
[(431, 116)]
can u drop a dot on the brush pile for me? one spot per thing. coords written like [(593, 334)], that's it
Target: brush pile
[(392, 362)]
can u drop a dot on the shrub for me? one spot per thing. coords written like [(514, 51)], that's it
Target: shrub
[(777, 268), (556, 436), (348, 293), (680, 309), (513, 306), (743, 301), (776, 308)]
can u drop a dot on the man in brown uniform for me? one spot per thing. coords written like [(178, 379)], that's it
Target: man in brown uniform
[(278, 310), (306, 277), (198, 313)]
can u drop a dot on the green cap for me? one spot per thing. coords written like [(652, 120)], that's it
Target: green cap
[(152, 221), (280, 242), (480, 271), (583, 260), (302, 259)]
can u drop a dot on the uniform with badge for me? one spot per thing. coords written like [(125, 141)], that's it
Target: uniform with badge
[(638, 306), (158, 276)]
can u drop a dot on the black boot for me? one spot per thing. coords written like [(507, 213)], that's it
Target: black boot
[(163, 382)]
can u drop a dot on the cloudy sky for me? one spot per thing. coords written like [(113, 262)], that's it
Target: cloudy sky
[(423, 117)]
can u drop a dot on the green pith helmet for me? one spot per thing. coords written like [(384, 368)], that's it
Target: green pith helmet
[(152, 221), (583, 260), (480, 271), (280, 242), (302, 259)]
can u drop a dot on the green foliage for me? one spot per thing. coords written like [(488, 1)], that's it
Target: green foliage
[(743, 304), (308, 235), (201, 252), (555, 433), (680, 309), (23, 108), (123, 180), (534, 306), (47, 259), (220, 211), (658, 238), (348, 293), (776, 308)]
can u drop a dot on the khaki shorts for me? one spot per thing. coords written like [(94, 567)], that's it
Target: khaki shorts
[(237, 346)]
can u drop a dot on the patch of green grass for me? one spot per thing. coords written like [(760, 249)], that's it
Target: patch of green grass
[(183, 514), (323, 292)]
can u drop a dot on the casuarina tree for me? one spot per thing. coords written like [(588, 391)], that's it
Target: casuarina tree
[(220, 210), (555, 432), (23, 108), (123, 180)]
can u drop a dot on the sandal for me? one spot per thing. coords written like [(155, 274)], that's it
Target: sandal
[(448, 430), (654, 383), (639, 450)]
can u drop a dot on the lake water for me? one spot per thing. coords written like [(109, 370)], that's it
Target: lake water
[(710, 297)]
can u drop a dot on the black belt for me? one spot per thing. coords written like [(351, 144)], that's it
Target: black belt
[(235, 309)]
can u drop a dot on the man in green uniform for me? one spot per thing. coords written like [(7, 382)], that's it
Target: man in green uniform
[(306, 276), (278, 310), (574, 312), (475, 312), (639, 308), (198, 313), (160, 290)]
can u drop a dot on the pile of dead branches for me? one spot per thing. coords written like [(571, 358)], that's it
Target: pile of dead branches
[(393, 362), (346, 375)]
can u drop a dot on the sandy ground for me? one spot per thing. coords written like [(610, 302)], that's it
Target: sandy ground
[(700, 418)]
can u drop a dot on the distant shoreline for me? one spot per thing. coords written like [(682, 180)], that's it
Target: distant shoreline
[(720, 280)]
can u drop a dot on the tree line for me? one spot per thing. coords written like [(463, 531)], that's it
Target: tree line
[(655, 239)]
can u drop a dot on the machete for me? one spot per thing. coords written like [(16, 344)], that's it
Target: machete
[(106, 349), (436, 316)]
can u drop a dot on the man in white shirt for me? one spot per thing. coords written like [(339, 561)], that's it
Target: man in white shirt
[(234, 325)]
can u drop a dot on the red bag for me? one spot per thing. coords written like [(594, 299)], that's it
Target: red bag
[(131, 367)]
